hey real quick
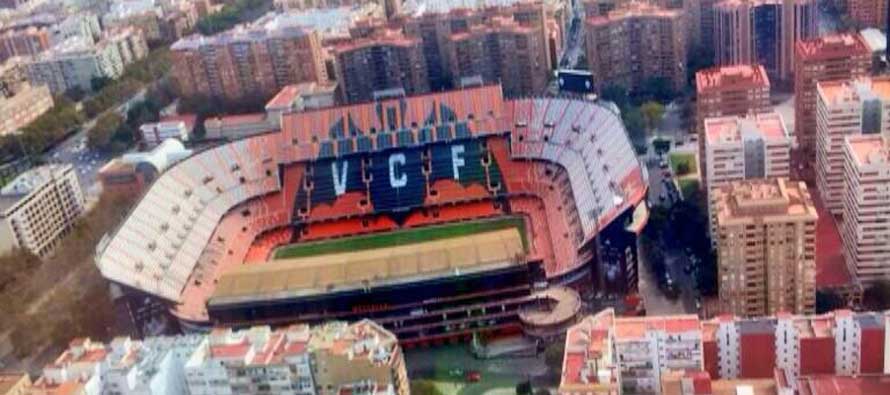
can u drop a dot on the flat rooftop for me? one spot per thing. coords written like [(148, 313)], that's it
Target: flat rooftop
[(869, 150), (768, 127), (724, 78), (383, 266), (633, 10), (634, 328), (837, 92), (764, 198), (832, 47), (844, 385)]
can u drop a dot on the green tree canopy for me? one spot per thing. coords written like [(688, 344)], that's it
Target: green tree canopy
[(424, 387), (652, 112)]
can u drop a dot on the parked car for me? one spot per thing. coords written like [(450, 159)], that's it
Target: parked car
[(474, 376)]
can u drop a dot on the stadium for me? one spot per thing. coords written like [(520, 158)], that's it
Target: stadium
[(438, 216)]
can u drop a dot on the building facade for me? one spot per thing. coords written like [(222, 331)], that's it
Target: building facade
[(835, 57), (739, 148), (387, 61), (502, 51), (38, 208), (27, 41), (248, 62), (451, 32), (868, 13), (763, 32), (631, 45), (766, 247), (728, 91), (851, 107), (18, 110), (768, 353), (866, 206), (76, 62)]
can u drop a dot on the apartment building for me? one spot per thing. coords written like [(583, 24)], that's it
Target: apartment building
[(330, 359), (74, 63), (81, 24), (835, 57), (766, 246), (858, 106), (22, 107), (249, 62), (866, 206), (38, 207), (634, 43), (730, 90), (737, 355), (726, 91), (144, 15), (446, 29), (24, 41), (764, 32), (605, 353), (387, 61), (740, 148), (868, 13), (14, 383), (156, 132), (500, 51)]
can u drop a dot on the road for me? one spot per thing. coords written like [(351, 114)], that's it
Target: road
[(85, 161)]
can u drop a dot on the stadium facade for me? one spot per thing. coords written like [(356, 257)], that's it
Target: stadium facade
[(207, 242)]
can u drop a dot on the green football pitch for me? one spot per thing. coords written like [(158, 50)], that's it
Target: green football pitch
[(401, 237)]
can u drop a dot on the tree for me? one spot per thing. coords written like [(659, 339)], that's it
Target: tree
[(682, 168), (616, 94), (424, 387), (652, 113), (877, 296), (636, 126), (658, 89), (828, 300), (97, 83), (553, 356), (102, 133), (524, 388)]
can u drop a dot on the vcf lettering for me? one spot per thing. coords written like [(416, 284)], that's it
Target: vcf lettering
[(396, 161)]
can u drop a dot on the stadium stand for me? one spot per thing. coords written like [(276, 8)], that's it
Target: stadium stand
[(565, 165)]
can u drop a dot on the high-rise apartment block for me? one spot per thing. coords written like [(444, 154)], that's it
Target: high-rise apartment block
[(836, 57), (76, 62), (738, 148), (728, 90), (858, 106), (866, 206), (38, 207), (27, 41), (868, 13), (766, 246), (762, 31), (19, 109), (248, 62), (387, 61), (520, 39), (841, 345), (330, 359), (501, 50), (637, 42)]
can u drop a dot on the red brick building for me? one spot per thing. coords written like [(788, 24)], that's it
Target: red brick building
[(249, 62), (836, 57)]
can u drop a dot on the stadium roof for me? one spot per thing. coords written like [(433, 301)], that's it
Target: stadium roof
[(385, 266)]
